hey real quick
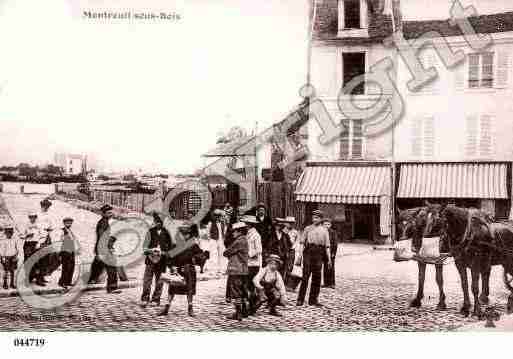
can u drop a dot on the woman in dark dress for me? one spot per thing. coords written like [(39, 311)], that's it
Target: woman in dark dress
[(184, 261)]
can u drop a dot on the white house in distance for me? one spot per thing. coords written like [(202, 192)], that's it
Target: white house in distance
[(72, 164), (453, 140)]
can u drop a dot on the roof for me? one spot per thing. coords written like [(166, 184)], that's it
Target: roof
[(344, 184), (326, 23), (233, 148), (453, 180), (484, 24)]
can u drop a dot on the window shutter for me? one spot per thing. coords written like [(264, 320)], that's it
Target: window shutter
[(472, 132), (459, 77), (503, 69), (485, 136), (323, 72), (428, 59), (416, 145), (429, 136)]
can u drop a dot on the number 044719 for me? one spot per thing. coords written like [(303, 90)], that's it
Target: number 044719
[(29, 342)]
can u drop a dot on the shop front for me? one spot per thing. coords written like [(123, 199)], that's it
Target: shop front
[(356, 196), (482, 185)]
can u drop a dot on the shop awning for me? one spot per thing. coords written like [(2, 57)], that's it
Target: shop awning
[(453, 180), (344, 184)]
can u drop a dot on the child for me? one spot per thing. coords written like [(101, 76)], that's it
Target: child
[(9, 255), (270, 286), (68, 250), (237, 254)]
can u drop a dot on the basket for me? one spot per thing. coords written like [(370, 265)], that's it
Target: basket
[(402, 251)]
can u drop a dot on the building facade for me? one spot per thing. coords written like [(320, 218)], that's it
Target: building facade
[(451, 138), (71, 164)]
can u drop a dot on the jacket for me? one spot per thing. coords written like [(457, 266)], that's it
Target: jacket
[(265, 229), (156, 240), (281, 246), (103, 229), (237, 255), (254, 248), (68, 240)]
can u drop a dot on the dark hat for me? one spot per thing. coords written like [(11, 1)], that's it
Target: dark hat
[(45, 203), (274, 258), (260, 205), (317, 213), (106, 207), (67, 219), (8, 227), (156, 217)]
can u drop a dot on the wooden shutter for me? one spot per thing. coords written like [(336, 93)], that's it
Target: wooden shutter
[(485, 136), (459, 76), (357, 145), (324, 72), (503, 69), (344, 144), (472, 133), (416, 138), (429, 59), (428, 136)]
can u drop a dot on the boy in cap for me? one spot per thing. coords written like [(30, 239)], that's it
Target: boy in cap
[(237, 270), (67, 254), (33, 237), (270, 286), (9, 255)]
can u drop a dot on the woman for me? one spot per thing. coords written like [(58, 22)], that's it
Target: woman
[(184, 264)]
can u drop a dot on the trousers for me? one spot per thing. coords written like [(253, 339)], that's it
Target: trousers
[(97, 268), (68, 268), (312, 267), (152, 271)]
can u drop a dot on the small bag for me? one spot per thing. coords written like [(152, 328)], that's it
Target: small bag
[(173, 279), (297, 271), (402, 251)]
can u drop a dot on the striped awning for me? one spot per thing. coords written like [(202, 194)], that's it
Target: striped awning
[(453, 180), (343, 184)]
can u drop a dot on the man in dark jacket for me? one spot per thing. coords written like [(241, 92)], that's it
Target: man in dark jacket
[(329, 270), (104, 258), (280, 244), (158, 241), (264, 228)]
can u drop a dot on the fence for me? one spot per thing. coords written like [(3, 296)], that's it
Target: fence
[(26, 187), (136, 202), (280, 200)]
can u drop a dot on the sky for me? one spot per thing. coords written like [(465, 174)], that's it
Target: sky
[(144, 95), (152, 95)]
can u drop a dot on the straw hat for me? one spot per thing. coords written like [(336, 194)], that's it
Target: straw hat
[(238, 225), (289, 219), (274, 258), (249, 219)]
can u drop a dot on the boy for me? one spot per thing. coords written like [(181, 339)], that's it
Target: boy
[(33, 236), (67, 254), (237, 270), (9, 255), (270, 286)]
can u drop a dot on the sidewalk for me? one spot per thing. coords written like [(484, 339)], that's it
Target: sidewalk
[(504, 324)]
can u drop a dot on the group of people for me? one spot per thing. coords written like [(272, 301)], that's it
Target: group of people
[(39, 232), (257, 254)]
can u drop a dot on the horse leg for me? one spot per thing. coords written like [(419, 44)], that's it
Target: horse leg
[(475, 273), (462, 270), (440, 281), (417, 302), (485, 285)]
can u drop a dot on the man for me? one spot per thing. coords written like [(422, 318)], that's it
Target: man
[(104, 257), (67, 254), (49, 263), (216, 231), (157, 242), (329, 270), (316, 244), (9, 251), (254, 258), (264, 227), (33, 237), (280, 244), (294, 252)]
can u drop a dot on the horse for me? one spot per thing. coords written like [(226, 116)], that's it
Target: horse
[(478, 257), (499, 237), (411, 223)]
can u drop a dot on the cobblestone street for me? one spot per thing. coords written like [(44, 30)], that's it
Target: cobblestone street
[(372, 294)]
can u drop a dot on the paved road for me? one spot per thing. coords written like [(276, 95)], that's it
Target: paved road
[(372, 294)]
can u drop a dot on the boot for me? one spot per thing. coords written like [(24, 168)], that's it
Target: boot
[(237, 314), (274, 312), (165, 311), (5, 283), (13, 286), (244, 310), (191, 311)]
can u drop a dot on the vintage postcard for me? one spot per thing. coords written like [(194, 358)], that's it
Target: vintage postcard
[(277, 166)]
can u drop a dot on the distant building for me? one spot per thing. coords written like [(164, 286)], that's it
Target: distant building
[(71, 164)]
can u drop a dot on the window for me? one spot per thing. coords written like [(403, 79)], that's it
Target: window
[(423, 136), (353, 66), (352, 14), (479, 141), (351, 141), (480, 70)]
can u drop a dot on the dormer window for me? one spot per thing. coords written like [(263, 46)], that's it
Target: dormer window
[(352, 18)]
